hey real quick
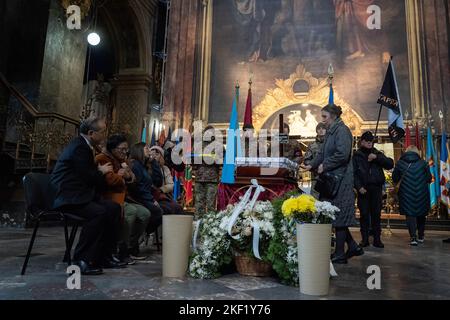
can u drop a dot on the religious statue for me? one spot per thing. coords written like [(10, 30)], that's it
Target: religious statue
[(98, 97), (302, 127)]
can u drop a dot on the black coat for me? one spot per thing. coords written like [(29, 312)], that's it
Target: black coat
[(76, 176), (414, 191), (336, 155), (142, 190), (370, 173)]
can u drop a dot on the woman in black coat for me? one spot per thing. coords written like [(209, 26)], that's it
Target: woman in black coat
[(335, 157), (414, 176)]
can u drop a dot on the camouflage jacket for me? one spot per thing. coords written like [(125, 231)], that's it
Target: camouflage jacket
[(206, 172), (312, 151), (292, 150)]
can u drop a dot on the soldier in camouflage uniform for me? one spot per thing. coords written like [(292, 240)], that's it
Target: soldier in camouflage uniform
[(312, 152), (206, 182), (292, 150)]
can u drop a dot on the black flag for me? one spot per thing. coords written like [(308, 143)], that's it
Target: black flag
[(389, 95), (390, 98)]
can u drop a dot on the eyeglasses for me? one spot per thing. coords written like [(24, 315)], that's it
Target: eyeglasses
[(123, 150)]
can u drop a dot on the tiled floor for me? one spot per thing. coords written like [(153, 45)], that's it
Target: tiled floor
[(407, 273)]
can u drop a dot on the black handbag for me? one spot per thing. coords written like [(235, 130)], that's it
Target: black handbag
[(327, 184)]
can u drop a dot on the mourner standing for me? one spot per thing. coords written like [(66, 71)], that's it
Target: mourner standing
[(368, 165)]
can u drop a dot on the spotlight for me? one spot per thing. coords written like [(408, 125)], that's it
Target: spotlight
[(93, 39)]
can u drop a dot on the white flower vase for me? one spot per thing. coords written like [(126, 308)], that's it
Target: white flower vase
[(177, 235), (313, 243)]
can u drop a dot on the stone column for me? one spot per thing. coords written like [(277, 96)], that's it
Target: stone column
[(63, 65), (436, 34), (132, 101), (179, 78)]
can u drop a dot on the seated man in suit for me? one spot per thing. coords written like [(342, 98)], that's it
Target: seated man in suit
[(77, 180)]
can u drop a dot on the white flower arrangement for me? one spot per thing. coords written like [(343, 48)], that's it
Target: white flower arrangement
[(325, 208), (216, 247), (213, 250)]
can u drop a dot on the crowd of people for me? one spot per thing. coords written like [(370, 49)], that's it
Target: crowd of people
[(360, 174), (123, 191)]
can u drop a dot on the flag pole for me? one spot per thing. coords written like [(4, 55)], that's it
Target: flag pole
[(378, 122)]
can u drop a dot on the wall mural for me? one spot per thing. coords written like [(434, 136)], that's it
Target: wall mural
[(269, 39)]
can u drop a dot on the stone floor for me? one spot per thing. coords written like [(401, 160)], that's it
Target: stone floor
[(407, 273)]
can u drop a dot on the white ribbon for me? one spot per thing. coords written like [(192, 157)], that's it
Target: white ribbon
[(194, 239), (241, 207), (237, 211), (258, 191), (255, 226), (332, 271)]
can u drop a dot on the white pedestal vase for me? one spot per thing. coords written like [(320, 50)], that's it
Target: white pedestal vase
[(313, 243), (177, 235)]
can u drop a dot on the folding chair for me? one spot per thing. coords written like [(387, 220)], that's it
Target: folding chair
[(39, 196)]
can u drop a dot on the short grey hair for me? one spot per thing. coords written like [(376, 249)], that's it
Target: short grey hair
[(90, 123)]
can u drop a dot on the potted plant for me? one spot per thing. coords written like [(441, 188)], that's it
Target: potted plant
[(313, 219)]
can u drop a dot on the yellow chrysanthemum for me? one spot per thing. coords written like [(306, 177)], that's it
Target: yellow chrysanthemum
[(289, 206), (304, 203)]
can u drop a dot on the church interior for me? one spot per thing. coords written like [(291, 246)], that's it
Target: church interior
[(150, 67)]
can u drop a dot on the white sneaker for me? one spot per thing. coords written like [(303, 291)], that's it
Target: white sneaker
[(413, 242), (421, 240)]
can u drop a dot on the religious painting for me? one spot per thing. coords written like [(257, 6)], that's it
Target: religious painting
[(266, 40)]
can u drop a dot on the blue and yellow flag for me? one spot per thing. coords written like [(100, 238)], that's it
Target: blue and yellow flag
[(331, 96), (144, 132), (431, 158), (233, 149)]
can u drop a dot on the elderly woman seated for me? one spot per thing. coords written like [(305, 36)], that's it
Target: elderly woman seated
[(135, 216)]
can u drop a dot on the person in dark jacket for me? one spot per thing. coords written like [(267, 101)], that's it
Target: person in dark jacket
[(414, 177), (134, 216), (313, 151), (78, 181), (163, 193), (368, 165), (142, 190), (335, 157)]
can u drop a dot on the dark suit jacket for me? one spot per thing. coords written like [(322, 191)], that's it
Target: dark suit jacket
[(76, 176)]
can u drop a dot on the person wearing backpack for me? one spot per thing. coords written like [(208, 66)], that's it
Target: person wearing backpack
[(413, 175)]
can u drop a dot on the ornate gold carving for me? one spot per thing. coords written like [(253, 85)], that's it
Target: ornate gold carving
[(284, 96), (85, 5)]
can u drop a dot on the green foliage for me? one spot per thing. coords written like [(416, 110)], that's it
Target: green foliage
[(279, 248)]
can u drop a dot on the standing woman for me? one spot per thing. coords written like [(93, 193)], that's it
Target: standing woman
[(335, 157), (414, 177)]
